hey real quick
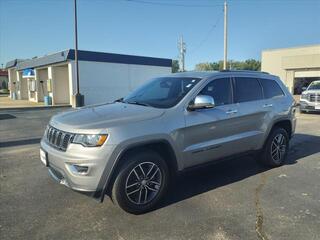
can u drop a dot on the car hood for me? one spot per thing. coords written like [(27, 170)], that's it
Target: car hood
[(311, 91), (103, 116)]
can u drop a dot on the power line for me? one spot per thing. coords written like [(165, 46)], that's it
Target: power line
[(213, 27), (173, 4)]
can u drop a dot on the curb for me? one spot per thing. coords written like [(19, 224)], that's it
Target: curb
[(33, 108)]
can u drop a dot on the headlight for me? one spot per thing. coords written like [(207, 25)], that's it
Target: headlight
[(304, 96), (90, 140)]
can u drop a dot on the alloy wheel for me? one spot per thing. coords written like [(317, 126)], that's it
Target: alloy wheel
[(278, 148), (143, 183)]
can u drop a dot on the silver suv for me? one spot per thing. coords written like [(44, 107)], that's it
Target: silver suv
[(130, 149)]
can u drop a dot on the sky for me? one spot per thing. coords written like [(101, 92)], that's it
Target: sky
[(30, 28)]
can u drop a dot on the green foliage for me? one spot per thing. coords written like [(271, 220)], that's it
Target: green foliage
[(175, 66), (4, 91), (209, 66), (249, 64)]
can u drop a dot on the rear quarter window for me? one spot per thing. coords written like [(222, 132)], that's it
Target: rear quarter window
[(271, 88)]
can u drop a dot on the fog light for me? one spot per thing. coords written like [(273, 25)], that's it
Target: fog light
[(78, 169)]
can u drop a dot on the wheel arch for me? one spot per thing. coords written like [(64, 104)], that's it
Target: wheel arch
[(285, 124), (160, 146)]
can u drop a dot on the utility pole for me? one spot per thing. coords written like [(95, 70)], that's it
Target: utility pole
[(182, 51), (225, 35), (78, 98)]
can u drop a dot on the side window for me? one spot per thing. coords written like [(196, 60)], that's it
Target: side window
[(271, 88), (220, 90), (247, 89)]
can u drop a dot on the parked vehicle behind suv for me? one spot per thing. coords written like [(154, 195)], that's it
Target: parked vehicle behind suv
[(132, 148), (310, 98)]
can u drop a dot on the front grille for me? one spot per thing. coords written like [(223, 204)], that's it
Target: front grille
[(57, 138), (314, 97)]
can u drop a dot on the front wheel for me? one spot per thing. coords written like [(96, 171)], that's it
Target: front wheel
[(276, 148), (141, 182)]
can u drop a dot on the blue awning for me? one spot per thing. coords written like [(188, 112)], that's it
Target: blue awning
[(28, 73)]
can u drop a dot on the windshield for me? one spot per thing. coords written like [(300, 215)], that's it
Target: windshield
[(164, 92), (314, 86)]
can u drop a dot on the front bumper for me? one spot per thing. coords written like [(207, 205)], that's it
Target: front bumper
[(309, 106), (61, 165)]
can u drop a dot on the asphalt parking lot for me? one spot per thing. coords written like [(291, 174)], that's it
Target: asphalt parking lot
[(238, 199)]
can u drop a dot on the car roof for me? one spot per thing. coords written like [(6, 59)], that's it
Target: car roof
[(206, 74), (316, 81)]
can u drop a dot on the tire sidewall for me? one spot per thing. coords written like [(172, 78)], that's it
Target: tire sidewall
[(118, 191), (268, 157)]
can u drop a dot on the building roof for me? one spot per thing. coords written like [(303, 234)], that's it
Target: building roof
[(288, 48), (13, 63), (66, 55)]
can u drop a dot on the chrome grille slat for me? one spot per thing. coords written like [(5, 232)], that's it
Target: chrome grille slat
[(58, 139), (314, 97)]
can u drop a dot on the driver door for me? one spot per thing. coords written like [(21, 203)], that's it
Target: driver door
[(209, 133)]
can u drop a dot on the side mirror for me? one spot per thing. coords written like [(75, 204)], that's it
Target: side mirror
[(201, 102), (304, 88)]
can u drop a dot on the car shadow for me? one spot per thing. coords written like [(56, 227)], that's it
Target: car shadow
[(15, 143), (221, 174)]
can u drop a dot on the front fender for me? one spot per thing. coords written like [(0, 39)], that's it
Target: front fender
[(120, 150)]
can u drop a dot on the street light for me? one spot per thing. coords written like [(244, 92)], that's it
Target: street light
[(78, 99)]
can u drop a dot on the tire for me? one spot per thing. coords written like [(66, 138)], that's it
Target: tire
[(135, 189), (276, 148)]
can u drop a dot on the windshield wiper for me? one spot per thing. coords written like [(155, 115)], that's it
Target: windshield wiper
[(118, 100), (138, 103)]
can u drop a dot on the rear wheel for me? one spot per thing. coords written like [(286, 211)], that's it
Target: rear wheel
[(276, 148), (141, 183)]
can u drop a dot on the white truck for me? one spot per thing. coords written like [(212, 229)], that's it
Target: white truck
[(310, 98)]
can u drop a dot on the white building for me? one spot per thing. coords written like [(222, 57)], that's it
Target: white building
[(103, 76)]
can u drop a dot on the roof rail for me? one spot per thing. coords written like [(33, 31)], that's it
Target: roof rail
[(248, 71)]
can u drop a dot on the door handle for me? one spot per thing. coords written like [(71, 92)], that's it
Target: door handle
[(231, 111), (267, 105)]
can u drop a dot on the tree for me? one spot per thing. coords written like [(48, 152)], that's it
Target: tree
[(175, 66), (252, 64), (213, 66), (249, 64)]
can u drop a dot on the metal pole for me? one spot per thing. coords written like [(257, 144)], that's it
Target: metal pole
[(182, 51), (78, 99), (225, 35), (76, 45)]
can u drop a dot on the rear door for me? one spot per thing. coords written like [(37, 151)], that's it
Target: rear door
[(248, 96), (275, 104)]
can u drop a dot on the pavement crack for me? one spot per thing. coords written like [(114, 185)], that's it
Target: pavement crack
[(259, 211)]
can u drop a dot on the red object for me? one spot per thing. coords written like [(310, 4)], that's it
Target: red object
[(3, 73)]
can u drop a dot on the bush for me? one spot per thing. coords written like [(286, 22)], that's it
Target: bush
[(4, 91)]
